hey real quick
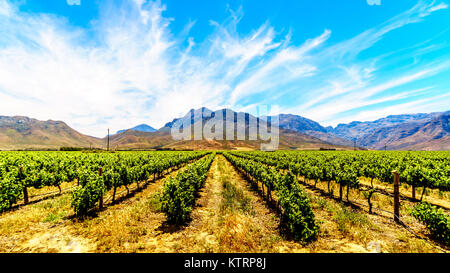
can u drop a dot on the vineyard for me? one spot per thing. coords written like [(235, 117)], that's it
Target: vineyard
[(199, 201)]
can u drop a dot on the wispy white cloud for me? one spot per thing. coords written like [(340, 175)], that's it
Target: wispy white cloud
[(433, 8), (286, 65), (136, 71), (131, 69), (6, 9), (365, 96), (351, 83)]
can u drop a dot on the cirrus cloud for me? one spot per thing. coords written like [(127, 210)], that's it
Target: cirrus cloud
[(130, 68)]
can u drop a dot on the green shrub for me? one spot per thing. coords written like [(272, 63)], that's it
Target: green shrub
[(435, 220), (297, 209), (10, 193), (85, 198), (175, 201), (178, 197)]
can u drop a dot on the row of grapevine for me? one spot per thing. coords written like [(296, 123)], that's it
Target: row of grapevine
[(346, 174), (292, 200), (93, 185), (20, 171), (178, 197), (418, 169), (437, 222)]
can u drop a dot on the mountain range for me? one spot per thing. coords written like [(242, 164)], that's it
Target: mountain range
[(396, 132), (20, 132), (400, 132)]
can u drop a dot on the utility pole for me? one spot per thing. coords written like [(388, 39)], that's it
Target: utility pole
[(107, 145), (385, 146), (354, 144)]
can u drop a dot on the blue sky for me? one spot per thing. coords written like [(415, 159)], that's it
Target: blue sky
[(118, 63)]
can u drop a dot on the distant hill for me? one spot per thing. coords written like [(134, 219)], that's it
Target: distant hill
[(358, 128), (26, 133), (163, 140), (291, 137), (299, 124), (140, 128), (399, 132), (396, 132), (429, 133), (131, 139), (311, 128)]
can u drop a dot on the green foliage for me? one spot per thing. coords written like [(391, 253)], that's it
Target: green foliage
[(10, 193), (419, 169), (295, 205), (297, 209), (347, 177), (50, 169), (176, 201), (437, 222), (85, 198), (178, 197)]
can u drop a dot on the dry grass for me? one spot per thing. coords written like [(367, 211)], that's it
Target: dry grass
[(19, 226)]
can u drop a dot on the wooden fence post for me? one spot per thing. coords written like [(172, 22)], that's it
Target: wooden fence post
[(396, 197), (100, 203), (25, 190)]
